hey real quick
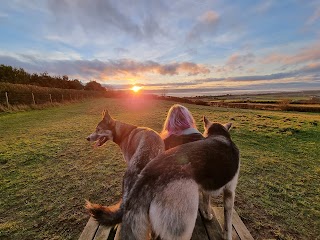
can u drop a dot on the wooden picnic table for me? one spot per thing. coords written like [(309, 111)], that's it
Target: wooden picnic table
[(204, 230)]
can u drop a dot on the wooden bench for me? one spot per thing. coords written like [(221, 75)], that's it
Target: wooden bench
[(204, 230)]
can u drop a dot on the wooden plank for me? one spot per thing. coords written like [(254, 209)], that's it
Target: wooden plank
[(213, 228), (89, 230), (199, 231), (117, 236), (203, 230), (218, 212), (239, 230), (102, 233)]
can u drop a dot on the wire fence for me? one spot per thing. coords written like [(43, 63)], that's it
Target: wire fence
[(29, 98)]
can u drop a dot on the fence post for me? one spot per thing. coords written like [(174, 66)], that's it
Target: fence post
[(50, 97), (61, 97), (34, 102), (7, 99)]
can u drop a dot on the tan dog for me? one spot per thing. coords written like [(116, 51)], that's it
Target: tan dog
[(138, 145)]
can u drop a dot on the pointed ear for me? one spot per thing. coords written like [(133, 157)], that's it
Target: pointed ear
[(206, 122), (228, 126), (105, 114)]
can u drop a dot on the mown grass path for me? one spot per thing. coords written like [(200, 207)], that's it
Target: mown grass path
[(47, 168)]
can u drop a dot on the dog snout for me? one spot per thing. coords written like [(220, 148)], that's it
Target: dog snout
[(88, 138)]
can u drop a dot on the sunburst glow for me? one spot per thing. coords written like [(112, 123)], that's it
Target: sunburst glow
[(136, 89)]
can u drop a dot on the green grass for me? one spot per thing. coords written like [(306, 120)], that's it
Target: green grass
[(47, 168)]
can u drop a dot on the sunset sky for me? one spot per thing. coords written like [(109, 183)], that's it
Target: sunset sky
[(188, 47)]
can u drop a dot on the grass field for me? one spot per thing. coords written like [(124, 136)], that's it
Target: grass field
[(47, 168)]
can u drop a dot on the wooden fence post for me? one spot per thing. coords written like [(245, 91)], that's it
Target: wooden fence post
[(50, 97), (34, 102), (7, 99)]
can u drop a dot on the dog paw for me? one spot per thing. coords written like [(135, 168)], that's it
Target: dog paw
[(207, 215), (226, 236)]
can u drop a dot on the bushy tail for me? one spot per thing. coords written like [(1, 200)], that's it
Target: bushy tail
[(107, 216)]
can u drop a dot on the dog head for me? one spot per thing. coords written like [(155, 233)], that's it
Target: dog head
[(211, 128), (104, 130)]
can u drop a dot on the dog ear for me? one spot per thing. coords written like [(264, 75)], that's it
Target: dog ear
[(206, 122), (107, 117), (105, 114), (228, 126)]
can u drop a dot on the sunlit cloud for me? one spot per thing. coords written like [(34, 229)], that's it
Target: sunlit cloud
[(165, 44), (210, 17), (237, 62), (205, 25), (307, 54), (112, 69)]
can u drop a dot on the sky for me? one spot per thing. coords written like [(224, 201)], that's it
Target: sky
[(181, 47)]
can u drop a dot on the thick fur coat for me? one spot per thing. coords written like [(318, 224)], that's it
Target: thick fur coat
[(165, 197), (139, 145)]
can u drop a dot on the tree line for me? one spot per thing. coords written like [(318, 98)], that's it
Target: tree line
[(14, 75)]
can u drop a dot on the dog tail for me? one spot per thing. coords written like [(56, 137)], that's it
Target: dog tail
[(107, 216)]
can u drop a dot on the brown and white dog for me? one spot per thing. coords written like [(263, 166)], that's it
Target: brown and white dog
[(139, 145), (164, 200)]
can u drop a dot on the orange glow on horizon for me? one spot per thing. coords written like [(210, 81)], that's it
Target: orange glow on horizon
[(136, 89)]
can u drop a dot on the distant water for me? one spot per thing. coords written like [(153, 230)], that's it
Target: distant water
[(193, 93)]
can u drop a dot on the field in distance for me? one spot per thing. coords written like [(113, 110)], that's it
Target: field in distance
[(47, 168), (305, 101)]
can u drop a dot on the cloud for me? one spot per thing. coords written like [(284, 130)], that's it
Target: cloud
[(311, 53), (206, 24), (121, 50), (189, 90), (305, 77), (3, 15), (314, 17), (255, 78), (209, 17), (111, 69), (311, 73), (311, 68), (100, 17), (236, 62), (264, 6)]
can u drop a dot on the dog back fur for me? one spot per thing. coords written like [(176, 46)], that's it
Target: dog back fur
[(167, 188)]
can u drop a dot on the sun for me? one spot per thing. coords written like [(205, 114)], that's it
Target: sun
[(136, 89)]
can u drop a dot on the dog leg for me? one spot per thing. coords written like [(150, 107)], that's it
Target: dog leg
[(205, 205), (173, 211), (228, 202), (135, 225), (117, 236)]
